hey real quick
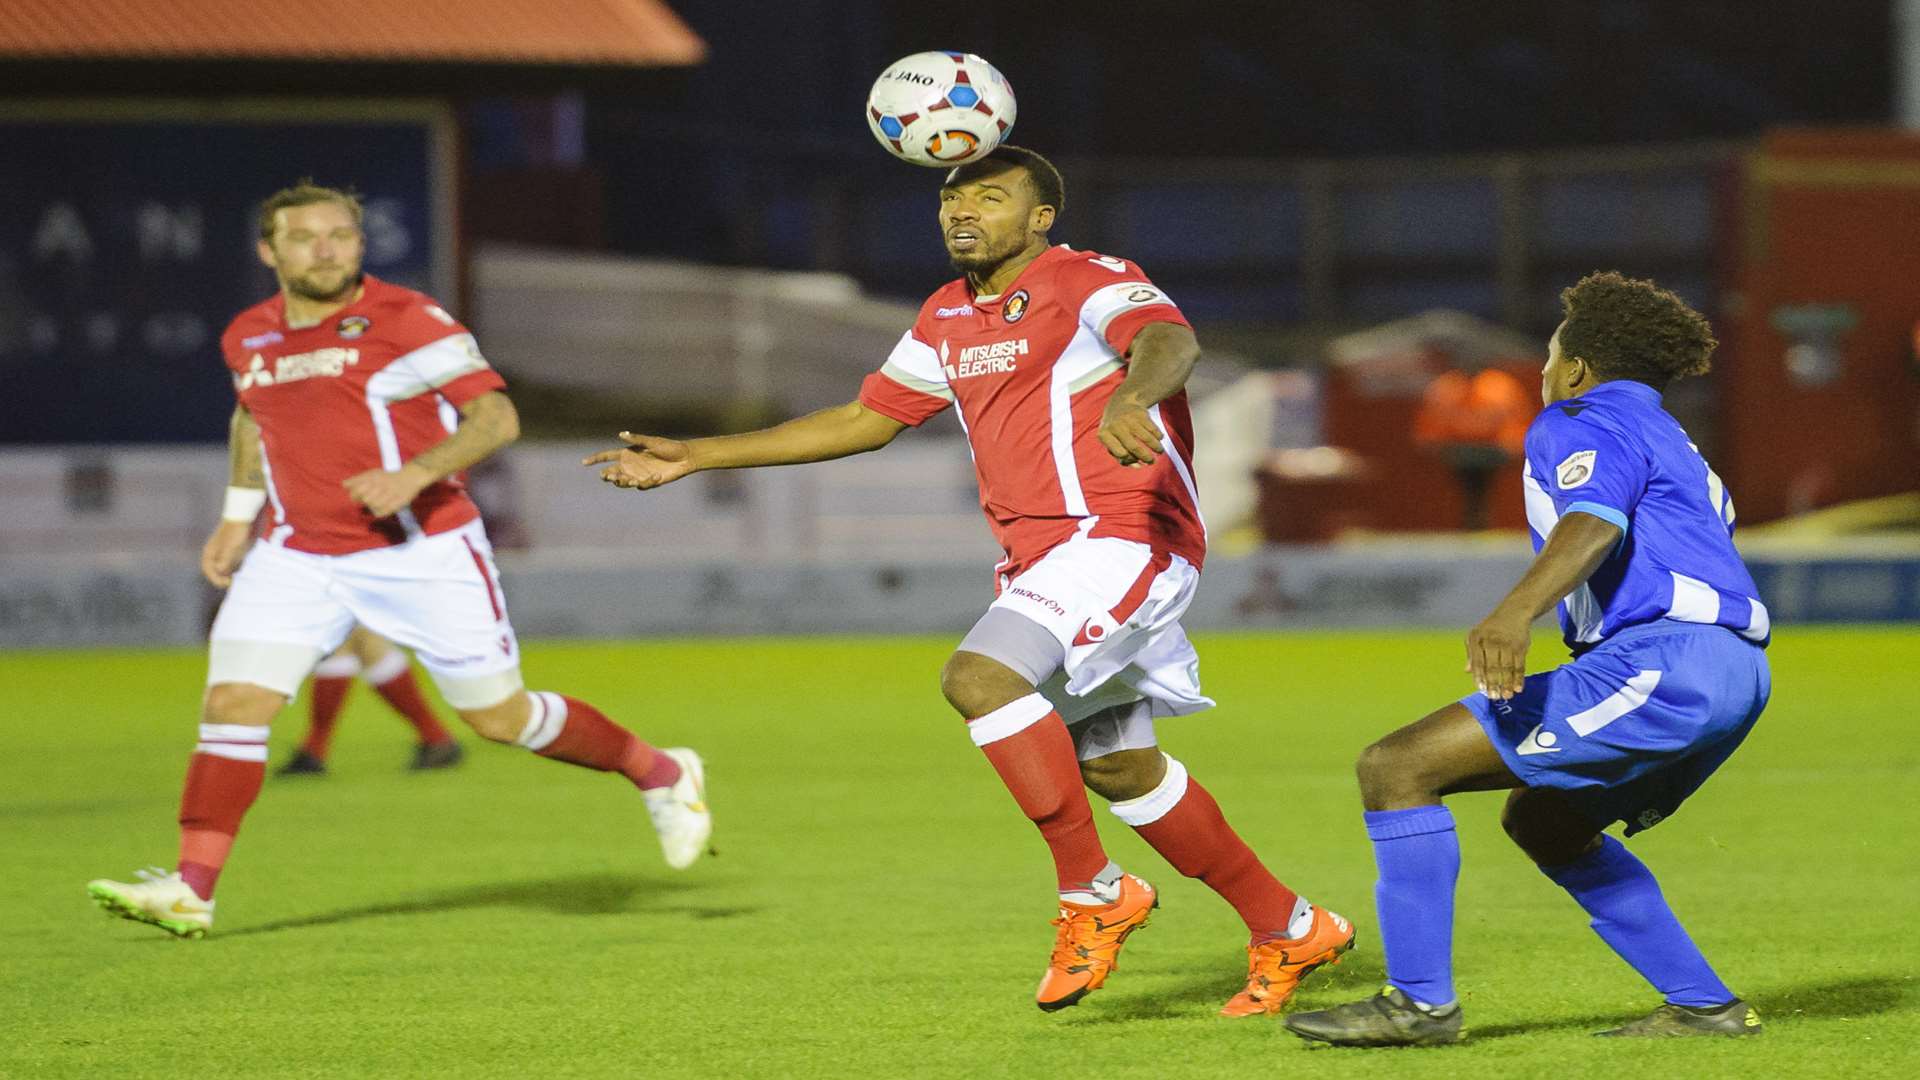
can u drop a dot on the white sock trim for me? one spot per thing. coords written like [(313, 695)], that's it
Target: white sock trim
[(1301, 924), (234, 733), (387, 668), (337, 667), (235, 742), (547, 716), (1010, 719), (233, 751), (1155, 804)]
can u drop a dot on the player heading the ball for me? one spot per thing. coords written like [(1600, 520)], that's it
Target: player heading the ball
[(1068, 369)]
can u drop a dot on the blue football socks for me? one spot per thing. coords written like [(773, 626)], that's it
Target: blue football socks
[(1631, 915), (1418, 854)]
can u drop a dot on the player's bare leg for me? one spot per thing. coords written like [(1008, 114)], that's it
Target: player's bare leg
[(671, 780), (1026, 742), (1153, 793), (1630, 913), (223, 779)]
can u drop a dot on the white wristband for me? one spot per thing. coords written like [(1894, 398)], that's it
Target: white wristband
[(243, 504)]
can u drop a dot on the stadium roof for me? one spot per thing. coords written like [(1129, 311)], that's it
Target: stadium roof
[(642, 33)]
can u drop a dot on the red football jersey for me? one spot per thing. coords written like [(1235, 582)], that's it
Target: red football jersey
[(368, 388), (1030, 371)]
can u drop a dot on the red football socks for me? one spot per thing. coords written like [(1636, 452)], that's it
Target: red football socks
[(326, 696), (1029, 747), (402, 691), (1184, 824), (223, 779), (570, 730)]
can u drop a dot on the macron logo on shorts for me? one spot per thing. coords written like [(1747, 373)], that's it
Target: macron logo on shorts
[(1092, 633), (1538, 742)]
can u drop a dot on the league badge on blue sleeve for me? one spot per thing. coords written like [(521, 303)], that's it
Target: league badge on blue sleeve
[(1576, 470)]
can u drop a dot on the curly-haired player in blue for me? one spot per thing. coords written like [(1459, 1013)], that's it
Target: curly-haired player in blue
[(1634, 539)]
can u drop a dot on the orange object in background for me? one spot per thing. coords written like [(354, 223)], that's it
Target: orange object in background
[(1476, 422), (1379, 381), (1489, 408), (1819, 400)]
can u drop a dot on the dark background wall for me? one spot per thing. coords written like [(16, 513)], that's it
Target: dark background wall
[(774, 112)]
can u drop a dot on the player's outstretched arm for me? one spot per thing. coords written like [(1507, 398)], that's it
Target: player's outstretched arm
[(650, 461), (1158, 362), (246, 494), (1497, 647), (487, 423)]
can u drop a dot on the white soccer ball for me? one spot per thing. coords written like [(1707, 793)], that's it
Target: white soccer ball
[(940, 109)]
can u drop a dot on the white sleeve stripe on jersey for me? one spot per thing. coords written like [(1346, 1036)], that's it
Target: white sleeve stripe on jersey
[(1082, 382), (1109, 302), (1086, 353), (429, 367), (412, 390), (450, 375), (913, 382), (916, 358)]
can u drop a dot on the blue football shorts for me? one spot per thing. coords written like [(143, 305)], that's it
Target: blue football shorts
[(1635, 725)]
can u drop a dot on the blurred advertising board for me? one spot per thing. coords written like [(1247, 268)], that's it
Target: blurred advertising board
[(127, 237)]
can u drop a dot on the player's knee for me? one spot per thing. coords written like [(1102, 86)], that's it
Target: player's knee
[(1384, 773), (1374, 765), (241, 703), (1124, 774), (975, 685), (502, 721), (368, 646)]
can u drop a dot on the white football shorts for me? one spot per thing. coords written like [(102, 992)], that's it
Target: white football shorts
[(1114, 605), (437, 595)]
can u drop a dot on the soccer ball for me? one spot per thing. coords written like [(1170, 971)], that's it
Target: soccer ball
[(940, 109)]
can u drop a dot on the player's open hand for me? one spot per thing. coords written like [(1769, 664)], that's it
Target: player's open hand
[(1497, 654), (647, 462), (384, 493), (222, 552), (1130, 435)]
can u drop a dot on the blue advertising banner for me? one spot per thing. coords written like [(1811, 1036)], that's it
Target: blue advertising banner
[(127, 235)]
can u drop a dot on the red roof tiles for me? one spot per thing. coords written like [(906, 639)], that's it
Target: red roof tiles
[(580, 32)]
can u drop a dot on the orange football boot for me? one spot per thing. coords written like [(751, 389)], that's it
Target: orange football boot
[(1275, 968), (1088, 946)]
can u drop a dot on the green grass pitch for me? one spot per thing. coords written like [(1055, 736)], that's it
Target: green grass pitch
[(879, 907)]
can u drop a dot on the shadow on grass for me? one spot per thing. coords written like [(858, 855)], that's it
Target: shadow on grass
[(1843, 999), (1840, 999), (1212, 990), (585, 894), (75, 808)]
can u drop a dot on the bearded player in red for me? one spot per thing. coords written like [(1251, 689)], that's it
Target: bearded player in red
[(360, 402), (1067, 369)]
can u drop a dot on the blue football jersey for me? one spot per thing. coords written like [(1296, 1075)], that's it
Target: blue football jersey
[(1615, 453)]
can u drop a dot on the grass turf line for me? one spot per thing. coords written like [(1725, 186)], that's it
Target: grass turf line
[(879, 908)]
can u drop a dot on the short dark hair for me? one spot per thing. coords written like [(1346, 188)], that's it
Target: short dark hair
[(305, 192), (1629, 328), (1049, 188)]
